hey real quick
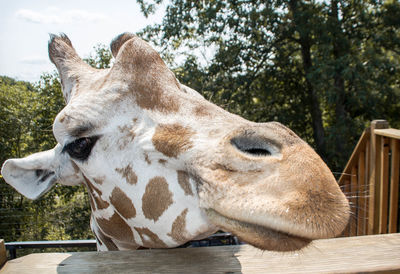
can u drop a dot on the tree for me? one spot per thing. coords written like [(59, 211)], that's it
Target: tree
[(101, 58), (27, 113), (323, 68)]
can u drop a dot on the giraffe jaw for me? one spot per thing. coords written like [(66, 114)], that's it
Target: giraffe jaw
[(259, 236)]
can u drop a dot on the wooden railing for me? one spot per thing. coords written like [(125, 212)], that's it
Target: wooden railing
[(371, 181), (366, 254)]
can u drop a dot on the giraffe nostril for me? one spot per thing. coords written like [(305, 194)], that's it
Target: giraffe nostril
[(253, 145), (257, 151)]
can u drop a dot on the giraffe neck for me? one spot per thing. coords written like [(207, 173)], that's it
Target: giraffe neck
[(136, 213)]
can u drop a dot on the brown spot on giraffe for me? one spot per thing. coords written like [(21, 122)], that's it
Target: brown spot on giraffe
[(125, 129), (178, 231), (156, 101), (162, 161), (100, 203), (183, 180), (98, 181), (122, 203), (128, 173), (146, 158), (95, 193), (76, 168), (65, 118), (172, 140), (156, 199), (201, 110), (104, 239), (129, 136), (149, 238), (116, 228)]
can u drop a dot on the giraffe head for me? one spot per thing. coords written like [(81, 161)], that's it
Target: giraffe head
[(164, 166)]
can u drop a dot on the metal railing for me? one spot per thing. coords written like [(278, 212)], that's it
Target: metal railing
[(216, 239)]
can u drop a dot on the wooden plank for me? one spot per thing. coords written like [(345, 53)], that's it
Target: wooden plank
[(367, 182), (377, 185), (371, 200), (353, 202), (374, 179), (354, 156), (3, 253), (384, 186), (390, 132), (361, 207), (371, 191), (394, 185), (346, 190), (341, 255)]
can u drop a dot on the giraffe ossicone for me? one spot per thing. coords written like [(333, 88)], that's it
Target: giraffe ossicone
[(163, 166)]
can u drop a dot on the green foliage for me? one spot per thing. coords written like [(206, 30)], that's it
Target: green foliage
[(101, 58), (27, 113), (323, 68)]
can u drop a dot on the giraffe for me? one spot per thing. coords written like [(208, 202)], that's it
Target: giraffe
[(163, 166)]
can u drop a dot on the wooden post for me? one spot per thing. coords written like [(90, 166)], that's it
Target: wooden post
[(394, 185), (361, 195), (3, 253), (353, 202), (367, 179), (384, 186), (346, 189), (374, 176)]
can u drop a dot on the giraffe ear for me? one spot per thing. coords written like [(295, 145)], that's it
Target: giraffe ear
[(137, 58), (34, 175), (69, 65)]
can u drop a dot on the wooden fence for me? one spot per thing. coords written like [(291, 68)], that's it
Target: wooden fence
[(371, 181), (342, 255)]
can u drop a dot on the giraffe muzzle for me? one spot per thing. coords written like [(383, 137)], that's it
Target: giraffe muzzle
[(269, 186)]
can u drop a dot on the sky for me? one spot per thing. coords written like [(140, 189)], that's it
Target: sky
[(25, 26)]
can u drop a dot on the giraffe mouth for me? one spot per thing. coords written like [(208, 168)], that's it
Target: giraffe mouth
[(259, 236)]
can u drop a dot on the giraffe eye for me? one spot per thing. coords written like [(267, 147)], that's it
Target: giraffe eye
[(80, 148)]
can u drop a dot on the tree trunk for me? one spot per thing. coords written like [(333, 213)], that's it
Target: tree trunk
[(313, 100), (339, 49)]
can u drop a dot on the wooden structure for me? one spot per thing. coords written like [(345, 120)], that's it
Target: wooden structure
[(371, 179), (3, 254), (376, 253)]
